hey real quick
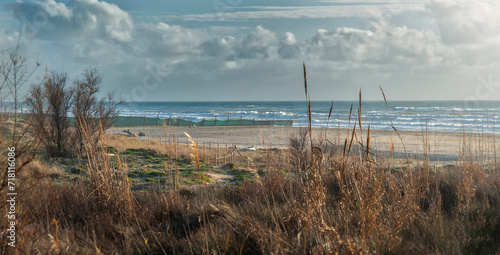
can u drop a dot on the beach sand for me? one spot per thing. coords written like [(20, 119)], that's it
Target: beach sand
[(443, 146)]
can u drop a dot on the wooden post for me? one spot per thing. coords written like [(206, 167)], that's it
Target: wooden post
[(241, 120), (130, 120)]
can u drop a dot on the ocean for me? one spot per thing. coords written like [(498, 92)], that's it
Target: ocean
[(447, 116)]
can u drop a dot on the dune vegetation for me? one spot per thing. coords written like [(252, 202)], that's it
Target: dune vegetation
[(322, 195)]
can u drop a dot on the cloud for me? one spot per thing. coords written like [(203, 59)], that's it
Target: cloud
[(218, 58), (301, 12), (255, 44), (8, 41), (381, 44), (288, 47), (467, 21), (165, 40), (84, 19)]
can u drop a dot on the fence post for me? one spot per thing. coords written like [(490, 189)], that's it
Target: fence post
[(232, 154)]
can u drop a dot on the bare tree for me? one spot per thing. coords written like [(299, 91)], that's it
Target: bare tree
[(92, 114), (14, 73), (49, 103)]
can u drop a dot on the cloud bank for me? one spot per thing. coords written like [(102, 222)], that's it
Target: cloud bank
[(460, 44)]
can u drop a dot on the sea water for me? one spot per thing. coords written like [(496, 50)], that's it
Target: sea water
[(448, 116)]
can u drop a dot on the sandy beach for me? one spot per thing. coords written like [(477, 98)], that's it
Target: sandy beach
[(441, 145)]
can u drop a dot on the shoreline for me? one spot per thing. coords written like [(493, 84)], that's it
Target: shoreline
[(440, 146)]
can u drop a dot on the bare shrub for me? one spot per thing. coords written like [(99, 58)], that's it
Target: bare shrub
[(49, 103), (91, 112), (14, 74)]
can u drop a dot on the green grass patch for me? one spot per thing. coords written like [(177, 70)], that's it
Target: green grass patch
[(241, 175), (230, 166), (76, 170), (152, 173), (129, 151), (109, 149), (183, 165)]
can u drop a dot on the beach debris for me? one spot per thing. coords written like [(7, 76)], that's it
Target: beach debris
[(129, 133), (248, 149), (194, 126), (142, 134)]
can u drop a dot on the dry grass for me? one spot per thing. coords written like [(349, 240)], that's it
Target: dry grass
[(351, 206), (343, 200), (122, 143)]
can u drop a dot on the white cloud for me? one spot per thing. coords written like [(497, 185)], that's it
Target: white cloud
[(382, 44), (54, 9), (167, 41), (467, 21), (8, 41), (302, 12), (83, 19), (463, 43), (255, 44), (288, 47)]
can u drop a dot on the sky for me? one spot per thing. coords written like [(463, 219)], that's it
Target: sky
[(243, 50)]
